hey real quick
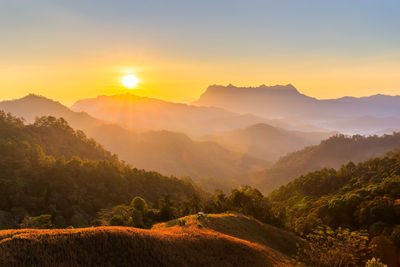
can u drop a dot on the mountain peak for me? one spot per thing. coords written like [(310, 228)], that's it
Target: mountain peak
[(262, 100), (41, 105), (230, 88), (35, 97)]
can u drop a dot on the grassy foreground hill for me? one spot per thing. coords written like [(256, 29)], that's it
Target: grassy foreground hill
[(123, 246), (242, 227)]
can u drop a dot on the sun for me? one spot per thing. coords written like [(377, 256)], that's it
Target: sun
[(130, 81)]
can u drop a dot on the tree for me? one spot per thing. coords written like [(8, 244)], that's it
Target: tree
[(385, 249), (117, 220), (217, 203), (139, 204), (137, 218), (39, 222), (250, 201), (335, 248), (167, 209)]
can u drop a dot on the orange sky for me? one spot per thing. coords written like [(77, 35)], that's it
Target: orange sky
[(182, 81)]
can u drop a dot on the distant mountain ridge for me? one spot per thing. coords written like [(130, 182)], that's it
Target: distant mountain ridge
[(366, 125), (265, 141), (262, 100), (286, 101), (144, 113), (148, 113), (32, 106)]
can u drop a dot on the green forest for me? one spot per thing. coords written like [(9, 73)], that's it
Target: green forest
[(330, 153), (362, 197)]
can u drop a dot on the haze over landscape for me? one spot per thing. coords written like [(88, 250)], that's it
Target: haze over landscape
[(187, 133)]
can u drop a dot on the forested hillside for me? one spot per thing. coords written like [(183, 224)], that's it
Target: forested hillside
[(360, 197), (47, 181), (54, 136), (330, 153)]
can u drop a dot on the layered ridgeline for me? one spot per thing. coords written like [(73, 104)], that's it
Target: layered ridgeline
[(365, 196), (154, 114), (248, 135), (330, 153), (368, 124), (285, 101), (166, 152), (51, 175), (265, 141)]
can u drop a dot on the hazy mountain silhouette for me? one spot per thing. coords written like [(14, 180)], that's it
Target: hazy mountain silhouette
[(149, 113), (32, 106), (163, 151), (366, 125), (388, 131), (330, 153), (265, 141), (286, 101), (261, 101)]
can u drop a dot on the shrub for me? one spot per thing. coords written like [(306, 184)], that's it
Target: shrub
[(39, 222), (374, 263)]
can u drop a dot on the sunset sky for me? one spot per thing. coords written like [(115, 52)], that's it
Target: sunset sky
[(67, 50)]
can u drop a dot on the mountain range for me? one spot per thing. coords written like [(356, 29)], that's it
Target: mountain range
[(167, 152), (144, 113), (285, 101), (225, 145)]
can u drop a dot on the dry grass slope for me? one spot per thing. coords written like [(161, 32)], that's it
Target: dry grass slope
[(246, 228), (123, 246)]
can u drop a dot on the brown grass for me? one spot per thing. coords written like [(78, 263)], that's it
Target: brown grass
[(124, 246), (246, 228)]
